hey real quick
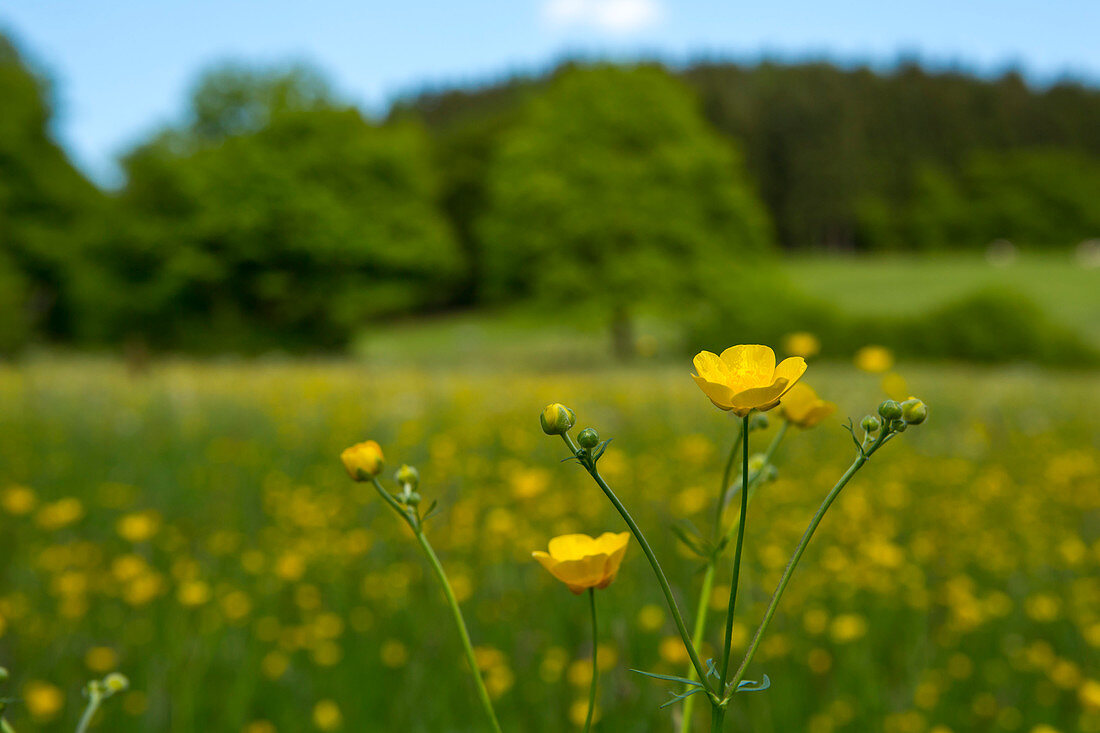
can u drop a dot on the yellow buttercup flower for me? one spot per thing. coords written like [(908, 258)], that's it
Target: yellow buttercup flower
[(366, 457), (802, 343), (802, 407), (874, 359), (746, 377), (583, 562)]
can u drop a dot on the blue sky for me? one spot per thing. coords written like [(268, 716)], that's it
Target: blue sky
[(123, 68)]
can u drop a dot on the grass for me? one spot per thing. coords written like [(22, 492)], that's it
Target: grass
[(1066, 290), (219, 556)]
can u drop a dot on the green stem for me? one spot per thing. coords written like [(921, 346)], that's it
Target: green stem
[(462, 632), (697, 638), (595, 667), (413, 521), (861, 459), (648, 551), (94, 699), (717, 718), (736, 557), (703, 605), (5, 727), (721, 505)]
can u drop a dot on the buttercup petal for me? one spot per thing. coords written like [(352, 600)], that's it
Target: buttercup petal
[(710, 367), (572, 547), (798, 401), (759, 397), (792, 368), (719, 394), (751, 365), (586, 572)]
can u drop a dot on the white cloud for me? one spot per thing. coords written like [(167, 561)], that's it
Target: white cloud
[(613, 16)]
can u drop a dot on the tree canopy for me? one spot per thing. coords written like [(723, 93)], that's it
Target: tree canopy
[(613, 188)]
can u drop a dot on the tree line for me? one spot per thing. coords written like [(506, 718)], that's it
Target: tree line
[(277, 214)]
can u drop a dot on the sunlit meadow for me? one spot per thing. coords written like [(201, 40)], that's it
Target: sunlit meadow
[(191, 526)]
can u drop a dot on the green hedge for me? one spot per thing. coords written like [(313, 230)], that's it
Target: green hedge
[(991, 325)]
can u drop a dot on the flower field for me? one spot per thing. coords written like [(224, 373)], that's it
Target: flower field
[(191, 526)]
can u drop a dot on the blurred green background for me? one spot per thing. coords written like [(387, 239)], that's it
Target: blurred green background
[(942, 215)]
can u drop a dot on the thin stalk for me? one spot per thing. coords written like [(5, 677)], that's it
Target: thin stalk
[(648, 551), (703, 605), (697, 638), (5, 727), (595, 667), (801, 548), (736, 556), (717, 717), (721, 504), (94, 699), (482, 693), (413, 521)]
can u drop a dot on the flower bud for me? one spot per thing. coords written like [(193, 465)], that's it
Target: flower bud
[(363, 459), (557, 419), (870, 424), (913, 411), (115, 682), (759, 421), (898, 426), (588, 438), (3, 674), (411, 498), (890, 410), (407, 476)]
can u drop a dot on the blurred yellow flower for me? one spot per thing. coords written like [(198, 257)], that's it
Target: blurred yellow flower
[(847, 627), (1089, 694), (746, 377), (578, 712), (366, 457), (18, 500), (43, 700), (874, 359), (193, 593), (583, 562), (801, 343), (802, 407), (895, 386), (326, 715), (394, 654), (138, 527), (60, 513)]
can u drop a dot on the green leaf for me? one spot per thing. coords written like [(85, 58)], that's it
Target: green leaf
[(682, 696), (670, 678)]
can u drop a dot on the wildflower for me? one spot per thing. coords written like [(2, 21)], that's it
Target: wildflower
[(746, 377), (327, 716), (557, 419), (874, 359), (801, 343), (802, 407), (363, 460), (913, 411), (138, 527), (43, 700), (18, 500), (583, 562)]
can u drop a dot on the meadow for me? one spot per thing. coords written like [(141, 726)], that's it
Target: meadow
[(191, 526)]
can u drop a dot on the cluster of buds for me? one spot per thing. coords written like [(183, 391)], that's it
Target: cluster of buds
[(109, 685), (365, 462), (408, 478), (893, 417), (557, 419)]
